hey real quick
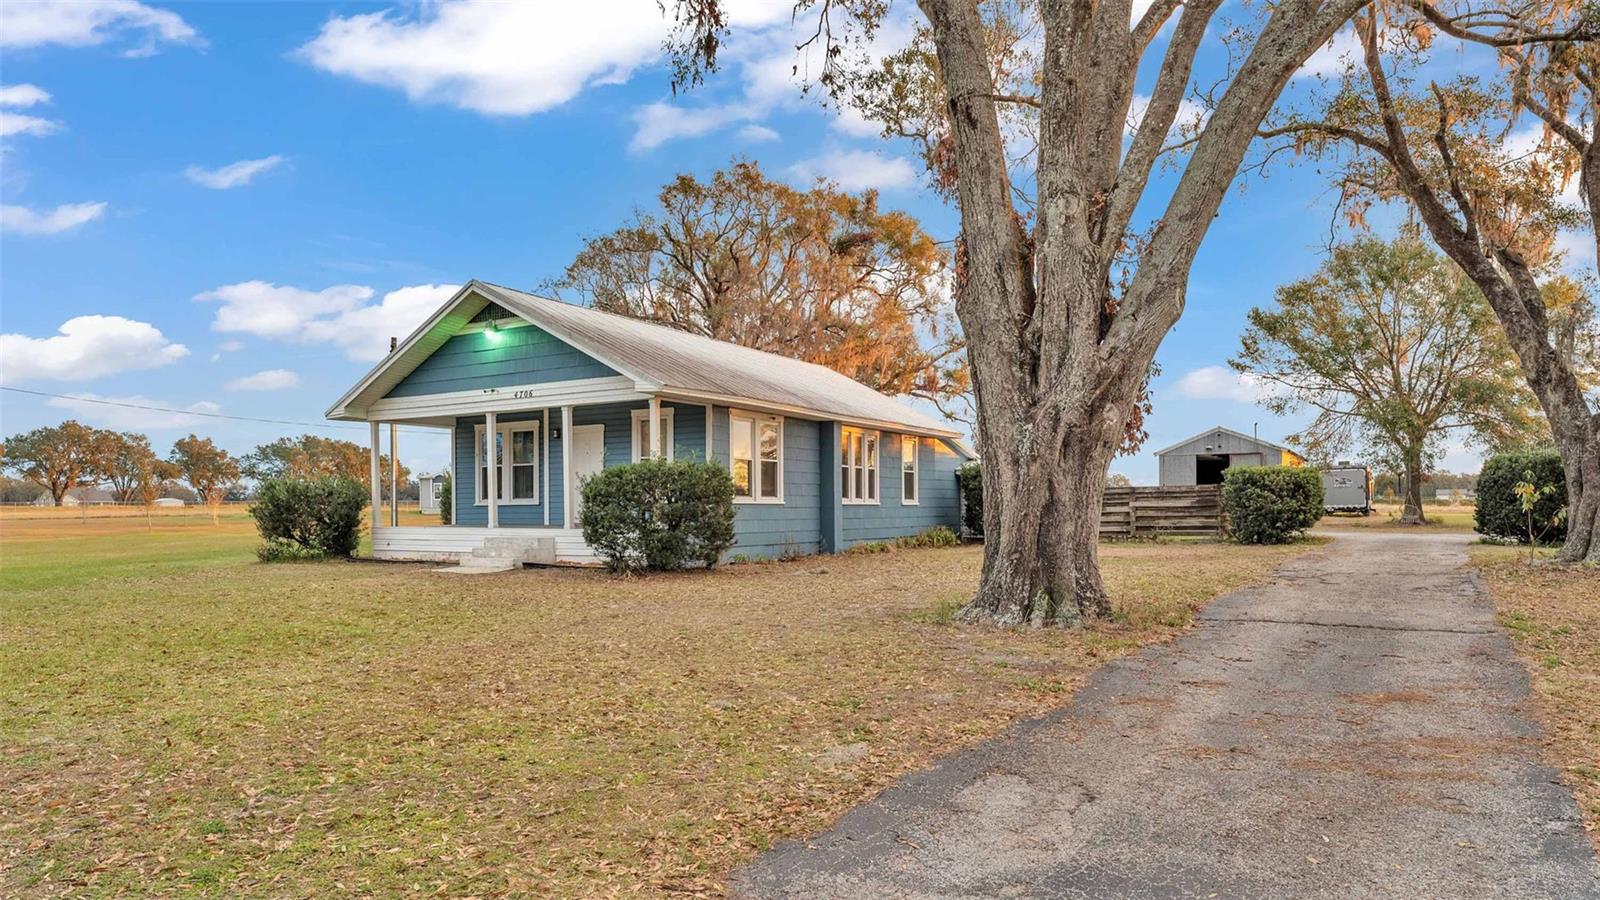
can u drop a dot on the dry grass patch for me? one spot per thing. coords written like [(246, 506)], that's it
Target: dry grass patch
[(297, 730), (1386, 516), (1553, 614)]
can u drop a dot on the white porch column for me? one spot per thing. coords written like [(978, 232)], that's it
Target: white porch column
[(653, 432), (566, 467), (544, 422), (377, 482), (492, 489), (394, 474)]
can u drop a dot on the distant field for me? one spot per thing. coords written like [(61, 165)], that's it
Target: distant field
[(177, 719), (1440, 518)]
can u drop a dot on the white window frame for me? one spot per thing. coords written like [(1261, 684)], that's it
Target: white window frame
[(641, 415), (915, 443), (480, 461), (754, 421), (855, 441)]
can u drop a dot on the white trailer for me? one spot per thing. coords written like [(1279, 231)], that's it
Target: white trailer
[(1347, 488)]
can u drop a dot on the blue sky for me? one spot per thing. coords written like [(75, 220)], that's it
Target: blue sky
[(232, 206)]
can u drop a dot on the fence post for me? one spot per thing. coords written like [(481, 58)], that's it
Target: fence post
[(1133, 514)]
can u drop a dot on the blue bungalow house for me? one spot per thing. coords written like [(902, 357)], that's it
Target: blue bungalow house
[(559, 392)]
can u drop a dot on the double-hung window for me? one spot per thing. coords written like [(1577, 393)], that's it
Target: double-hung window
[(858, 466), (908, 471), (641, 434), (514, 466), (755, 445)]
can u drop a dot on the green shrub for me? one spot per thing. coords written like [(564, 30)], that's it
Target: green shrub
[(658, 515), (868, 548), (1271, 504), (1499, 513), (447, 501), (969, 479), (283, 550), (320, 515), (937, 536)]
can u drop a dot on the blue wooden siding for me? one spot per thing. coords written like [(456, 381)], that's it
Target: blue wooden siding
[(888, 519), (522, 355), (790, 528), (467, 512)]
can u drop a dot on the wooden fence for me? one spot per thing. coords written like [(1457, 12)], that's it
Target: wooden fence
[(1148, 511)]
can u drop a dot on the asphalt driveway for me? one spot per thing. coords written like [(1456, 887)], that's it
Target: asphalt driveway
[(1355, 728)]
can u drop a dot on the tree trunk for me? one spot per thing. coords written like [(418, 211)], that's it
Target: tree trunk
[(1041, 525), (1412, 513)]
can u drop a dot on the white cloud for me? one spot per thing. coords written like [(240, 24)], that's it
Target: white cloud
[(501, 59), (1222, 383), (1190, 115), (269, 380), (67, 216), (227, 347), (659, 123), (855, 170), (1577, 249), (232, 175), (12, 123), (338, 315), (87, 347), (273, 311), (124, 413), (84, 23), (1339, 54), (23, 95), (758, 133)]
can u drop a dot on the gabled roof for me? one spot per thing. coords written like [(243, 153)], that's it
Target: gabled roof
[(660, 360), (1238, 434)]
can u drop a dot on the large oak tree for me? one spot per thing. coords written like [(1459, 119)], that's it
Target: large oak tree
[(1064, 296), (818, 274)]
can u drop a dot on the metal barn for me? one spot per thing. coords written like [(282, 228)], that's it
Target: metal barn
[(1203, 458)]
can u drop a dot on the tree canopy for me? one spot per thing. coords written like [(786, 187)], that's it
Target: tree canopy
[(818, 274), (1393, 349)]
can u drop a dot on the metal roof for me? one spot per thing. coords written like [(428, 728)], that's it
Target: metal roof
[(670, 362), (1238, 434)]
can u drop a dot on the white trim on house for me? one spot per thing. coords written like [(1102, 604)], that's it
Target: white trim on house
[(509, 399), (507, 468), (915, 471), (506, 324), (754, 423), (871, 477), (800, 412), (666, 439)]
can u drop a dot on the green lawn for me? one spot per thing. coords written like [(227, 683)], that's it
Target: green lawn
[(179, 719)]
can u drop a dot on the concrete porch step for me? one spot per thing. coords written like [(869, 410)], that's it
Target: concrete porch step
[(471, 565)]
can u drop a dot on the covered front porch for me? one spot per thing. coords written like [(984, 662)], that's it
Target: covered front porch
[(519, 458)]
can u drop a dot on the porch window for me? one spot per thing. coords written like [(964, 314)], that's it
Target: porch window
[(858, 466), (515, 464), (641, 434), (756, 451), (908, 471)]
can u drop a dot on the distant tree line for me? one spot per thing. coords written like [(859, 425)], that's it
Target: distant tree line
[(54, 460)]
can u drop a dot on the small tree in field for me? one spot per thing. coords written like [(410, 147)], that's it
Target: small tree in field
[(1392, 348), (125, 460), (1528, 496), (152, 480), (208, 469)]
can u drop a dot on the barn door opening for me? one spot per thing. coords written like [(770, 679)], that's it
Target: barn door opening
[(1209, 469)]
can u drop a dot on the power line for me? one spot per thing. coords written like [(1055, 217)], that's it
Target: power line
[(189, 412)]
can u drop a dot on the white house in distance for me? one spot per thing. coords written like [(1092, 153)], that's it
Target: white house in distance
[(538, 394)]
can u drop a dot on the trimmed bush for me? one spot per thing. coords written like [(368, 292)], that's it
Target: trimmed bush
[(281, 550), (969, 479), (1271, 504), (656, 515), (319, 515), (447, 501), (1499, 512)]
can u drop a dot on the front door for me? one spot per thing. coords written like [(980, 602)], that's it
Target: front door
[(588, 458)]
